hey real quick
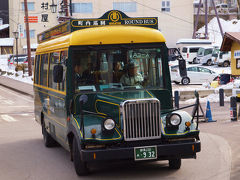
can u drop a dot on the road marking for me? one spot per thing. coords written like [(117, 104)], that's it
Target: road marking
[(9, 102), (8, 118), (24, 114)]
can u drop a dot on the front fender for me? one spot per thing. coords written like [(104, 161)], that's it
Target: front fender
[(181, 131), (95, 122)]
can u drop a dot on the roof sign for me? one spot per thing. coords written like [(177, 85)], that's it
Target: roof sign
[(112, 17)]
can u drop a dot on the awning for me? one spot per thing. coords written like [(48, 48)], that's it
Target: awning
[(6, 41), (33, 46)]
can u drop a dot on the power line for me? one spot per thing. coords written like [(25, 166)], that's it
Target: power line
[(165, 13)]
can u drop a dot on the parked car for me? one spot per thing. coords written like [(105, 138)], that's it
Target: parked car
[(19, 63), (223, 59), (12, 58), (189, 53), (195, 75), (205, 54)]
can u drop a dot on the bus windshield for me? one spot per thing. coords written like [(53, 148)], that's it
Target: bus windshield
[(117, 69)]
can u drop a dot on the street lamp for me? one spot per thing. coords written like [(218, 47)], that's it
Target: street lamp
[(53, 7), (16, 34)]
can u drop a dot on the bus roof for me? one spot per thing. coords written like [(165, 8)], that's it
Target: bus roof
[(117, 34)]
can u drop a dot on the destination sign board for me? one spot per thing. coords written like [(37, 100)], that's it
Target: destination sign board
[(113, 17)]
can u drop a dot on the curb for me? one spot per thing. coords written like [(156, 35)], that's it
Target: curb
[(17, 86)]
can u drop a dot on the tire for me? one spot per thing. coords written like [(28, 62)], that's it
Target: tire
[(185, 81), (225, 64), (80, 166), (190, 62), (176, 82), (209, 62), (47, 138), (175, 163)]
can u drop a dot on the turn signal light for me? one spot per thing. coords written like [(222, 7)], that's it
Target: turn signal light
[(188, 124), (93, 131)]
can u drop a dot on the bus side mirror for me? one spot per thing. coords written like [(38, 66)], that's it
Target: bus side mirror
[(172, 57), (58, 73)]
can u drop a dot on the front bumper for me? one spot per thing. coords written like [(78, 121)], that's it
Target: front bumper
[(164, 152)]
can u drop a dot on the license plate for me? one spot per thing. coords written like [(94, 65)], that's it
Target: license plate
[(145, 153)]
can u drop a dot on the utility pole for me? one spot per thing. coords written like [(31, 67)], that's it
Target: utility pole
[(206, 19), (28, 39)]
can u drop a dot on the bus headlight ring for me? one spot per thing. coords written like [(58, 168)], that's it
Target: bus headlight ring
[(109, 124), (174, 120)]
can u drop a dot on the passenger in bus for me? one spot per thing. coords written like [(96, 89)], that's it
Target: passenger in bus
[(88, 74), (117, 72), (79, 80), (132, 77)]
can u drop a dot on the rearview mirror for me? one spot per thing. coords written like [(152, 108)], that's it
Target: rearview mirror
[(172, 57), (58, 73)]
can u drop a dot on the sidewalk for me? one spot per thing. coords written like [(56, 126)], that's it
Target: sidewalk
[(18, 86)]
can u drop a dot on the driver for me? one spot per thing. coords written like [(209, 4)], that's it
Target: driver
[(131, 77)]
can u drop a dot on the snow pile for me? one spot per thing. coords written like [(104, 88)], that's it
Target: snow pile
[(6, 41), (9, 71), (210, 98), (4, 26), (214, 30)]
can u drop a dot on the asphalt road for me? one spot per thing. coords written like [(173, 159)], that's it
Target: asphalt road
[(23, 155)]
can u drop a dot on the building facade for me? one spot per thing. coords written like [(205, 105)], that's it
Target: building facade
[(175, 17)]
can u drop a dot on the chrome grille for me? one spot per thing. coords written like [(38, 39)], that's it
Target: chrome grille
[(141, 119)]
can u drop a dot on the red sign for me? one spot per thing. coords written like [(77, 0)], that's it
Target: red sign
[(31, 19)]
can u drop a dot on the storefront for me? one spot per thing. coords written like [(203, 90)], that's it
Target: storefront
[(231, 42)]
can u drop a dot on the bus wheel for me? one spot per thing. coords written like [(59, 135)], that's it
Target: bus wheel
[(225, 64), (185, 81), (48, 140), (174, 163), (209, 62), (80, 166)]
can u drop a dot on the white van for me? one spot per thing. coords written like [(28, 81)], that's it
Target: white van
[(192, 42), (223, 59), (205, 54), (189, 53)]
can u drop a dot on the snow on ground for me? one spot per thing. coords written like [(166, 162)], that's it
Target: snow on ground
[(9, 71), (210, 98), (214, 30)]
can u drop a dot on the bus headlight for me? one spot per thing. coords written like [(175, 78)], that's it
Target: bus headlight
[(173, 120), (109, 124)]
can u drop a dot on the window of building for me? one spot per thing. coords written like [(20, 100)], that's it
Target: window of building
[(63, 58), (166, 6), (82, 7), (31, 6), (31, 33), (238, 63), (44, 69), (54, 60), (125, 6)]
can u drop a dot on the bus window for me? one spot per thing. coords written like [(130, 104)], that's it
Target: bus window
[(54, 60), (44, 69), (36, 75), (117, 69), (63, 58)]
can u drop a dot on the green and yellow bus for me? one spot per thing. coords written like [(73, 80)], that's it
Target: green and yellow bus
[(103, 91)]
